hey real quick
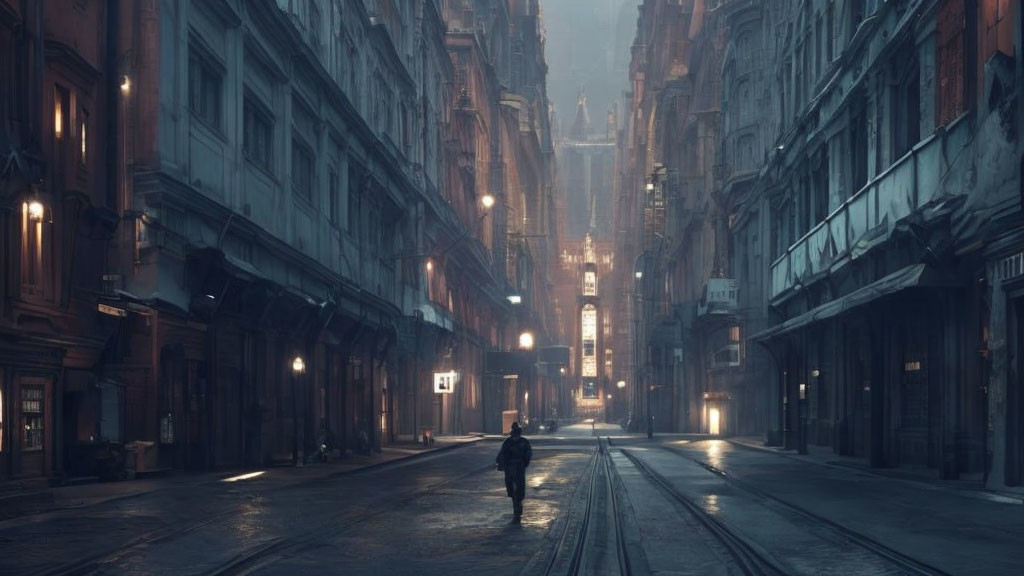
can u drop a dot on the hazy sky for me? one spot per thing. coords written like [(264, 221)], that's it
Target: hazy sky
[(588, 45)]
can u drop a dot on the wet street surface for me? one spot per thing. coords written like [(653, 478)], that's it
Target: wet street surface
[(629, 506)]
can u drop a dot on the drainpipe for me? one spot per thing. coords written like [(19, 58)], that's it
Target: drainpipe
[(112, 136)]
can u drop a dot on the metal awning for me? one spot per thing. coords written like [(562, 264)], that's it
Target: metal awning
[(916, 275)]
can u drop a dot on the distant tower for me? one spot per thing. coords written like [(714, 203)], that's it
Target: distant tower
[(581, 124), (590, 395), (612, 126)]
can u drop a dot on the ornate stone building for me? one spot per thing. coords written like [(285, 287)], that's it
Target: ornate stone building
[(256, 224)]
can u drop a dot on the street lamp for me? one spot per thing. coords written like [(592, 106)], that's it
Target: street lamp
[(298, 369), (526, 341)]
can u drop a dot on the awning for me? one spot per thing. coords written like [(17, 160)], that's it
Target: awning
[(916, 275)]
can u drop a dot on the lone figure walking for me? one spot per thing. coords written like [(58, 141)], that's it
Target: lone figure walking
[(514, 457)]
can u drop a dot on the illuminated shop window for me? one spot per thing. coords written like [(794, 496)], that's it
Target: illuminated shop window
[(32, 418)]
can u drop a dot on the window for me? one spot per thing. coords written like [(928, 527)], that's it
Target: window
[(314, 24), (82, 138), (60, 106), (831, 39), (302, 171), (34, 234), (333, 185), (819, 40), (32, 405), (589, 283), (734, 334), (727, 356), (950, 92), (355, 179), (906, 121), (204, 89), (257, 135)]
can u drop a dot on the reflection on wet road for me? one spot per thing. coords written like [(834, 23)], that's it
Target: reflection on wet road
[(685, 506)]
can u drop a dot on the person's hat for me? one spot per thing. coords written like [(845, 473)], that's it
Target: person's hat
[(515, 427)]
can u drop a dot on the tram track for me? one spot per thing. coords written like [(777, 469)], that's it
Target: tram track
[(904, 563), (751, 560), (583, 547)]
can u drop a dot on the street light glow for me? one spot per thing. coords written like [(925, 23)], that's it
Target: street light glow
[(487, 200), (126, 85), (515, 299), (526, 340), (639, 274), (35, 210), (620, 384), (650, 186), (298, 365), (430, 264)]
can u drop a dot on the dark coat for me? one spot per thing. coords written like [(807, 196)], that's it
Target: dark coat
[(515, 450)]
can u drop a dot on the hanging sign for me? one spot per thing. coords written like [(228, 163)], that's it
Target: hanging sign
[(444, 382)]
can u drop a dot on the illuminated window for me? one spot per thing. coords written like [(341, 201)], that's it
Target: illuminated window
[(82, 141), (734, 334), (589, 341), (32, 418), (33, 215), (60, 98), (590, 283)]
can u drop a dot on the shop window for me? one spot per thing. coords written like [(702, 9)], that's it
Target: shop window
[(32, 406)]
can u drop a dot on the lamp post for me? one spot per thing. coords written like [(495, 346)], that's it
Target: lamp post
[(298, 368), (636, 405), (526, 346)]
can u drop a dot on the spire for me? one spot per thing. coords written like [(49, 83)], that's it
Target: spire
[(581, 125)]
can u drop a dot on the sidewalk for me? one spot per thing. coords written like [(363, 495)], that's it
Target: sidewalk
[(823, 455), (35, 496)]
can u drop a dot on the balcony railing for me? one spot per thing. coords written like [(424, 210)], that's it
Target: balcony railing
[(912, 182)]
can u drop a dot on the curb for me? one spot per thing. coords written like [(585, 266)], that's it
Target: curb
[(393, 461), (936, 484)]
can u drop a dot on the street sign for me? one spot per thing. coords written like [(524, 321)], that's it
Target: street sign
[(112, 310), (444, 382)]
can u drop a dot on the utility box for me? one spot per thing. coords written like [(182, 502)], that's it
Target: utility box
[(507, 418)]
